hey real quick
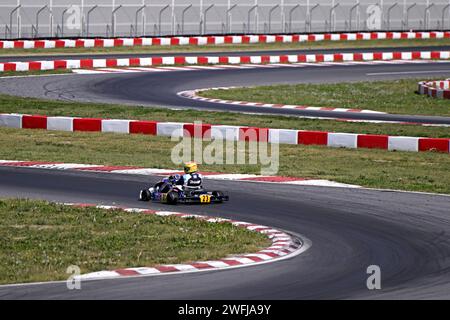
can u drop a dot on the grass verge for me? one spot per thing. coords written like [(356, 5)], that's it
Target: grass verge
[(395, 96), (232, 47), (423, 171), (11, 104), (40, 240), (33, 73)]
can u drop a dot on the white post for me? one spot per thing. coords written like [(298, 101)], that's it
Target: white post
[(201, 12), (307, 13), (50, 22), (82, 18), (332, 16), (358, 15), (381, 4), (257, 16), (404, 14), (19, 21), (201, 17), (113, 26), (283, 18), (173, 17), (228, 21), (144, 19)]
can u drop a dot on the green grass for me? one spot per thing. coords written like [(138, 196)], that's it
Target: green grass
[(397, 96), (232, 47), (33, 73), (41, 240), (424, 171), (10, 104)]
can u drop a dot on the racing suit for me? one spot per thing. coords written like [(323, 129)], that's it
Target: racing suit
[(193, 180)]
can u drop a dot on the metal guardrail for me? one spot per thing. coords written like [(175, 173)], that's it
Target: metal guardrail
[(122, 17)]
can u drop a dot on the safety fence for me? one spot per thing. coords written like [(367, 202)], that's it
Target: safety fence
[(133, 18)]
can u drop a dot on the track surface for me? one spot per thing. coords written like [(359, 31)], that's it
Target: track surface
[(49, 56), (407, 235), (160, 89)]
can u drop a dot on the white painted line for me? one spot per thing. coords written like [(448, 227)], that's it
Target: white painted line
[(117, 70), (205, 68), (257, 65), (310, 64), (175, 68), (84, 71), (230, 66), (407, 72), (149, 69), (284, 65)]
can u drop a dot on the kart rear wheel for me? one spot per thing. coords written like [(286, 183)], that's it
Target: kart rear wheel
[(145, 195), (172, 198)]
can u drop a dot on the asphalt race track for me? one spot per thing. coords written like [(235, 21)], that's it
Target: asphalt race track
[(406, 234), (160, 89)]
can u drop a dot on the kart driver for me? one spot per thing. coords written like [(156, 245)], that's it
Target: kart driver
[(191, 177)]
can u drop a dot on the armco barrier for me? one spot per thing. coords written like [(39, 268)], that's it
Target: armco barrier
[(214, 60), (435, 89), (226, 132), (216, 40)]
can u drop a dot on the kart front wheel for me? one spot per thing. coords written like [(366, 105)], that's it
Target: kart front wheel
[(172, 198), (218, 195), (145, 195)]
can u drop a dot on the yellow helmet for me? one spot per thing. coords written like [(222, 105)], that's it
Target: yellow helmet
[(190, 167)]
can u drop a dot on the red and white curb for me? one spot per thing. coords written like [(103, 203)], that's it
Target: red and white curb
[(219, 67), (227, 132), (215, 40), (194, 95), (128, 170), (435, 89), (221, 60), (283, 246)]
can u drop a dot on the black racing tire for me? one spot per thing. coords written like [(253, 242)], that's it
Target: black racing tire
[(145, 195), (172, 198), (218, 195)]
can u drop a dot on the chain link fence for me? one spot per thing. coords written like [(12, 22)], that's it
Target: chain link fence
[(125, 18)]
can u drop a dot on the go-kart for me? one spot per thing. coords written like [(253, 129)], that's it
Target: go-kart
[(168, 192)]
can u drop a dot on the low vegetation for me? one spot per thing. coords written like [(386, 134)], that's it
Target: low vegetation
[(10, 104), (395, 96), (40, 240)]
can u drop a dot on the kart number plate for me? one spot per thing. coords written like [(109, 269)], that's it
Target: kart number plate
[(205, 199)]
